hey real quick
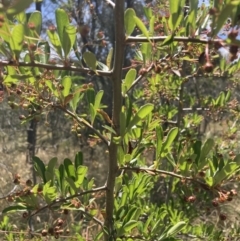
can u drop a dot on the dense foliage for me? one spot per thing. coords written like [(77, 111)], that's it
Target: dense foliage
[(165, 176)]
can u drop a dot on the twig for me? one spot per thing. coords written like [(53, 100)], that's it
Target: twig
[(62, 200), (55, 67), (175, 39), (84, 122), (157, 171)]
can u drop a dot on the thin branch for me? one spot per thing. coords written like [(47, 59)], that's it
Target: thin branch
[(93, 218), (62, 200), (157, 171), (175, 39), (111, 3), (140, 77), (83, 122), (55, 67)]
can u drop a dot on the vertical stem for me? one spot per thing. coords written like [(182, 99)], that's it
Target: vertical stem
[(117, 105)]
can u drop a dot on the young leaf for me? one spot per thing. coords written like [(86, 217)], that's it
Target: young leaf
[(17, 40), (172, 134), (80, 174), (140, 115), (66, 83), (98, 99), (129, 22), (90, 60), (129, 79), (49, 192)]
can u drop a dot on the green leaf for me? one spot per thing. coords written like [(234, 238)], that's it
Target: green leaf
[(66, 83), (93, 113), (207, 147), (229, 169), (69, 168), (228, 10), (16, 40), (129, 21), (78, 159), (62, 20), (19, 207), (159, 133), (129, 79), (176, 228), (90, 96), (69, 34), (45, 52), (90, 60), (39, 167), (175, 13), (168, 40), (141, 26), (140, 115), (130, 225), (54, 39), (172, 134), (98, 99), (109, 59), (36, 19), (49, 173), (18, 6), (80, 174), (49, 192)]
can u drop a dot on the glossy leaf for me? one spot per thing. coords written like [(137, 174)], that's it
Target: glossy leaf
[(129, 21), (176, 229)]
